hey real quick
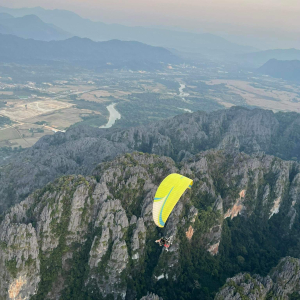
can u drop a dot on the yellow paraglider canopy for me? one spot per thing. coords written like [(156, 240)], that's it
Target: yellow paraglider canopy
[(167, 195)]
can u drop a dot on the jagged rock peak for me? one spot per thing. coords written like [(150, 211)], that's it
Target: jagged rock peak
[(151, 297), (281, 283)]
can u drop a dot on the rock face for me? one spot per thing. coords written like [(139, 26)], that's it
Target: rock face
[(110, 243), (19, 261), (43, 237), (79, 149), (138, 240), (94, 236), (282, 282), (151, 297)]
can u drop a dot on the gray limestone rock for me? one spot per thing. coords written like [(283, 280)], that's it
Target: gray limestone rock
[(286, 277), (99, 248), (113, 216), (282, 281), (19, 261), (151, 296), (85, 220), (79, 220), (138, 239), (81, 147)]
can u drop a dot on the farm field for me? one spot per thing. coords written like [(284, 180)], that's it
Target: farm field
[(262, 96)]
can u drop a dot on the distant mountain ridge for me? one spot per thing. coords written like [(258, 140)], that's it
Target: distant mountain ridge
[(31, 27), (98, 31), (86, 53), (285, 69), (257, 59), (5, 16)]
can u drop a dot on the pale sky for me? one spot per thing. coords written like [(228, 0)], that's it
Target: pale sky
[(273, 18)]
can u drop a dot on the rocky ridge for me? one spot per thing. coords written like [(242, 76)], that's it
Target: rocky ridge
[(94, 236), (283, 282), (80, 149)]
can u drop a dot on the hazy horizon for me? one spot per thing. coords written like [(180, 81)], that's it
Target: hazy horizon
[(262, 24)]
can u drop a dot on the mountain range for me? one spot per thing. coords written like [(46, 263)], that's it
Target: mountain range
[(30, 27), (80, 148), (285, 69), (257, 59), (86, 53), (205, 44), (43, 24), (91, 235)]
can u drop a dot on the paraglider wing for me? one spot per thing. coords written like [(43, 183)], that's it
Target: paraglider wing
[(167, 195)]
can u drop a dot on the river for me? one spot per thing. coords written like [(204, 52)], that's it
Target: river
[(113, 116), (183, 95), (185, 109)]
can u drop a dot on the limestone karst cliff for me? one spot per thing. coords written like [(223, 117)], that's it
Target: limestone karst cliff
[(283, 282), (92, 237), (80, 149)]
